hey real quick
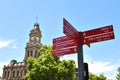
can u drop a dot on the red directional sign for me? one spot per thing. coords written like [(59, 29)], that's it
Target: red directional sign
[(63, 45), (99, 34), (97, 31), (65, 51), (63, 42), (69, 30), (99, 38)]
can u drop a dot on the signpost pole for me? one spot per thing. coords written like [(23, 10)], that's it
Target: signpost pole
[(80, 62)]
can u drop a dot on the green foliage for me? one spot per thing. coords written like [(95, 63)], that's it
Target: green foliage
[(101, 77), (47, 67), (118, 75), (95, 77), (92, 76)]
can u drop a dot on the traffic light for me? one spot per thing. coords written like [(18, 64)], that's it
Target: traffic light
[(86, 72)]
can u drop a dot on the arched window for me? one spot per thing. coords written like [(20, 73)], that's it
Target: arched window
[(13, 73), (8, 73), (31, 52), (35, 53), (27, 53), (5, 74)]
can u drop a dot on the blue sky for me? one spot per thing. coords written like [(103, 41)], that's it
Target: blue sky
[(18, 17)]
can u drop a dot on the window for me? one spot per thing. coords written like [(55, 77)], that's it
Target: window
[(8, 73), (36, 53), (27, 53), (5, 74), (13, 73), (31, 53)]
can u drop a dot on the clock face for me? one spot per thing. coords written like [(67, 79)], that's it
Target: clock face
[(32, 38)]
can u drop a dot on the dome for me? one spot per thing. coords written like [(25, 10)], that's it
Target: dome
[(13, 61)]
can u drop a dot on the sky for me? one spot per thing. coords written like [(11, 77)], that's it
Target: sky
[(17, 18)]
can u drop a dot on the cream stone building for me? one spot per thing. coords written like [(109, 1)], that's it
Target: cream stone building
[(16, 70)]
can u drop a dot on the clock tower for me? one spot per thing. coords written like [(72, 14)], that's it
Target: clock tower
[(34, 42), (16, 70)]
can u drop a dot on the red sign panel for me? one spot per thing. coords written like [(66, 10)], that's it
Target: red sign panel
[(65, 51), (63, 42), (97, 31), (63, 45), (99, 34), (69, 30), (99, 38), (61, 39)]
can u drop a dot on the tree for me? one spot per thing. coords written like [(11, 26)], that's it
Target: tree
[(118, 75), (47, 67), (95, 77), (101, 77)]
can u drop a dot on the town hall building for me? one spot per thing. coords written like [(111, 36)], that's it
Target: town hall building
[(16, 70)]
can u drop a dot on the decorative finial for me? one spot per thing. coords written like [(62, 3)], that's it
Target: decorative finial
[(36, 23), (36, 19)]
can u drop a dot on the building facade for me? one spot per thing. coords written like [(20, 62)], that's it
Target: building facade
[(16, 70)]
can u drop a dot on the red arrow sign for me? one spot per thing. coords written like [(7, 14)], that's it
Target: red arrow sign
[(63, 42), (97, 31), (69, 30), (64, 51), (99, 38), (99, 34), (63, 45)]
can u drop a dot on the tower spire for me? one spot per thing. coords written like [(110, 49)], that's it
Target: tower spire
[(36, 23), (36, 19)]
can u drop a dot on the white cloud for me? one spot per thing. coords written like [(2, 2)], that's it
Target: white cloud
[(97, 67), (100, 67), (7, 43), (67, 57), (94, 66), (1, 67)]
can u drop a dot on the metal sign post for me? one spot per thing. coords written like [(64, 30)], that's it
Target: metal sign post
[(80, 62)]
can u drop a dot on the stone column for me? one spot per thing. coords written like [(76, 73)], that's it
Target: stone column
[(34, 54)]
